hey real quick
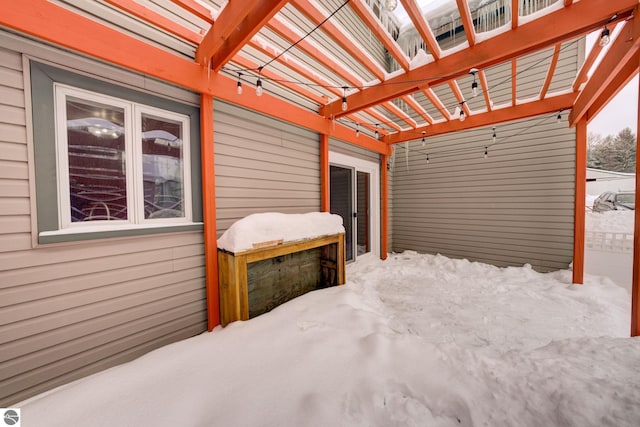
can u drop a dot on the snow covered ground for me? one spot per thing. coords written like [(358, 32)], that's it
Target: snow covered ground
[(616, 265), (416, 340)]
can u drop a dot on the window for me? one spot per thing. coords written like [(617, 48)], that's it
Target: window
[(110, 160), (119, 162)]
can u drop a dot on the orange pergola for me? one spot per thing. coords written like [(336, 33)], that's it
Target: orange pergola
[(241, 37)]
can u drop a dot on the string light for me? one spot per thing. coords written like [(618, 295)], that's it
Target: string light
[(474, 84), (377, 133), (424, 141), (344, 98), (357, 130), (486, 152), (493, 139), (559, 118), (605, 37), (259, 83), (427, 158), (391, 5), (239, 87), (461, 117)]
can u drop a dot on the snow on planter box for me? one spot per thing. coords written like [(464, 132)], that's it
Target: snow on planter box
[(267, 259)]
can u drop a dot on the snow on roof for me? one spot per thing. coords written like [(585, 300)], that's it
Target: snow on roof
[(273, 226)]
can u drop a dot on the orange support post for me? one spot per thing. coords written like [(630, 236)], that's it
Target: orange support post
[(324, 173), (209, 211), (635, 287), (384, 208), (579, 207)]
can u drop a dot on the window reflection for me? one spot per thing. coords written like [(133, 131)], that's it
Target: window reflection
[(97, 165), (162, 158)]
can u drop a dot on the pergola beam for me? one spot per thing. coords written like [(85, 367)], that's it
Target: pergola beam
[(238, 22), (196, 9), (467, 21), (270, 74), (366, 15), (291, 36), (297, 67), (521, 111), (313, 14), (156, 19), (550, 71), (421, 25), (514, 13), (582, 75), (433, 98), (485, 89), (417, 108), (617, 83), (622, 50), (556, 27)]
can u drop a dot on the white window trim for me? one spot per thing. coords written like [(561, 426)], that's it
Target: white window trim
[(373, 169), (134, 166)]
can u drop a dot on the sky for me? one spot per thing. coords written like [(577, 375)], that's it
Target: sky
[(621, 112)]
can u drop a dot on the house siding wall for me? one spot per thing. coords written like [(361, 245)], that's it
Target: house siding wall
[(69, 310), (514, 207), (262, 165)]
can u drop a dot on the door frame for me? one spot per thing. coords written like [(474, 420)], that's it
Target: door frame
[(372, 168)]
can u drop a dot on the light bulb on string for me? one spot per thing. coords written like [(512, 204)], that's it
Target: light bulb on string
[(486, 152), (424, 141), (462, 115), (377, 133), (474, 84), (239, 86), (259, 83), (559, 118), (357, 130), (344, 98), (390, 5), (493, 138), (605, 37), (427, 158)]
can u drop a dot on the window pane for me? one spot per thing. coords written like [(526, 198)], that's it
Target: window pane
[(97, 178), (162, 159)]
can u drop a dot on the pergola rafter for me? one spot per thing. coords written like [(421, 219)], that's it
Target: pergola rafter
[(367, 16), (310, 11), (576, 20), (422, 27), (622, 50), (236, 25), (521, 111)]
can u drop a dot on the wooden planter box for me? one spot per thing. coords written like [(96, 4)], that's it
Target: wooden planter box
[(254, 281)]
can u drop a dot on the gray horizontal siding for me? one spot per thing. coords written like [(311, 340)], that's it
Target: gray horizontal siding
[(353, 150), (262, 165), (69, 310), (514, 207)]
